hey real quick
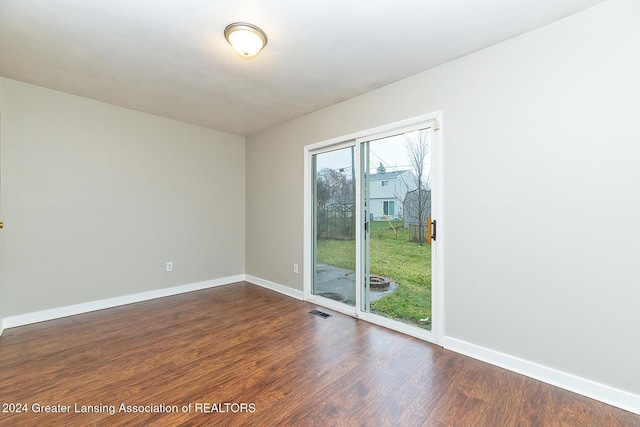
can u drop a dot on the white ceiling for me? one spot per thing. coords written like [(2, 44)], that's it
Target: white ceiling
[(170, 58)]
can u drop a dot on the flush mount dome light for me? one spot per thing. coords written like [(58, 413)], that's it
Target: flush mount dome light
[(246, 39)]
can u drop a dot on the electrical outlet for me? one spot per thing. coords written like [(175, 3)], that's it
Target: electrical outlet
[(295, 268), (170, 266)]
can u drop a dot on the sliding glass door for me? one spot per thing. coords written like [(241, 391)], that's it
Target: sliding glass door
[(397, 256), (371, 207), (334, 225)]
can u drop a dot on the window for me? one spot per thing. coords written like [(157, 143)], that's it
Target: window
[(387, 208), (385, 183)]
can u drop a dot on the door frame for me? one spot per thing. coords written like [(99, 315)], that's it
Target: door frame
[(433, 121)]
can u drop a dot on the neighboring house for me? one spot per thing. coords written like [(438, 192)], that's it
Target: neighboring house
[(387, 191)]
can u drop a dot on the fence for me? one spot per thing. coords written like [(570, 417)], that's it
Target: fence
[(337, 221), (423, 231)]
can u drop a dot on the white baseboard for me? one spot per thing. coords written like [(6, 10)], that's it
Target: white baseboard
[(293, 293), (612, 396), (70, 310)]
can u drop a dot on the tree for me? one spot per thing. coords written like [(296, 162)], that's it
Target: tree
[(334, 184), (417, 146)]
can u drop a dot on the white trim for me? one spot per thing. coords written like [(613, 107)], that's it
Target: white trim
[(71, 310), (426, 121), (286, 290), (398, 326), (334, 305), (307, 274), (360, 220), (346, 143), (418, 121), (437, 213), (603, 393)]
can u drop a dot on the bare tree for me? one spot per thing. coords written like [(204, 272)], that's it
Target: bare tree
[(335, 183), (417, 146)]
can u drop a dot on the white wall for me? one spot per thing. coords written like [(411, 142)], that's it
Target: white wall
[(542, 191), (97, 198)]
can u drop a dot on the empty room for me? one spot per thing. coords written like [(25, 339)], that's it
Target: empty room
[(337, 213)]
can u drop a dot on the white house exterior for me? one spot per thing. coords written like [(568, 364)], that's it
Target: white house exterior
[(387, 192)]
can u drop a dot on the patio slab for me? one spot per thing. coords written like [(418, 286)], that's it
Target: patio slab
[(336, 282)]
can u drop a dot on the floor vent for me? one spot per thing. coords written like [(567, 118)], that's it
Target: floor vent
[(320, 314)]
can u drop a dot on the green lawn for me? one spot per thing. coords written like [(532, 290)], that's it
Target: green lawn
[(406, 263)]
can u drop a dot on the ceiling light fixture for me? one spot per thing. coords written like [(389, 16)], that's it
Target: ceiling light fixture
[(246, 39)]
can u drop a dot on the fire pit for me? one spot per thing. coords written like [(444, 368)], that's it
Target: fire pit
[(378, 283)]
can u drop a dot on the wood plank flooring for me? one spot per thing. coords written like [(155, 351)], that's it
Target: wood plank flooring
[(240, 355)]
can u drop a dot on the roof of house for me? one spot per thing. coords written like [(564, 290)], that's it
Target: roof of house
[(386, 175)]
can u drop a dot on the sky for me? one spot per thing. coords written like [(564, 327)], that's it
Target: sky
[(390, 151)]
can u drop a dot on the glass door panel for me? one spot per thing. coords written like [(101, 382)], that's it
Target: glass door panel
[(396, 192), (334, 225)]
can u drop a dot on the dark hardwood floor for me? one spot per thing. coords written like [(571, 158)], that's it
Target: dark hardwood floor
[(242, 355)]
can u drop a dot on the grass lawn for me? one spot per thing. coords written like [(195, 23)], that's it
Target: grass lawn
[(406, 263)]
